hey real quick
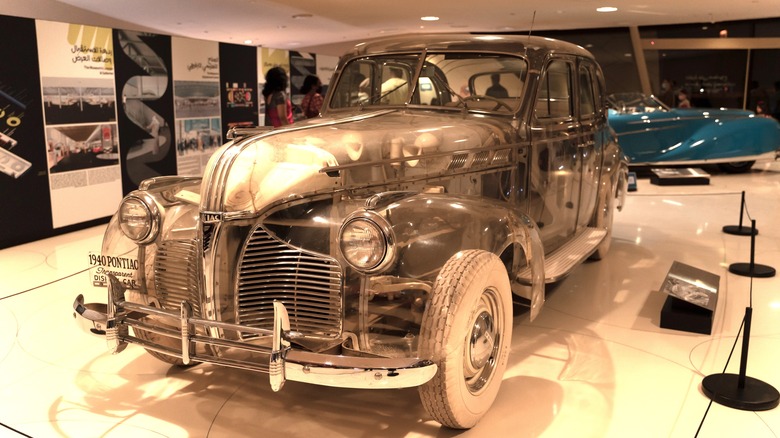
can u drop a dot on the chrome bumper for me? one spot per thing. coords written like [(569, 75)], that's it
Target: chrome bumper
[(283, 363)]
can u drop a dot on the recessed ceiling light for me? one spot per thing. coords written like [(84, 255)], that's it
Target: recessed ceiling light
[(247, 41), (302, 16), (429, 18), (606, 9)]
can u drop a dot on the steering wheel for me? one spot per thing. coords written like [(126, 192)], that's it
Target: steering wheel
[(499, 103)]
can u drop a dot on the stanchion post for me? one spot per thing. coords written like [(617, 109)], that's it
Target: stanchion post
[(739, 230), (752, 269)]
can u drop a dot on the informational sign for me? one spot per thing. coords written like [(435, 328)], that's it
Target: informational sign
[(24, 182), (79, 106), (125, 269), (238, 79), (197, 103)]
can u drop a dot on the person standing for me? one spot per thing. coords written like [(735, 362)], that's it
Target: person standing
[(312, 101), (278, 108), (496, 89), (682, 99)]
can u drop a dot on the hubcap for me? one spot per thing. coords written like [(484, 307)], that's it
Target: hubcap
[(483, 342)]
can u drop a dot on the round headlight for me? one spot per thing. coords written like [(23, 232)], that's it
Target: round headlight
[(364, 244), (136, 220)]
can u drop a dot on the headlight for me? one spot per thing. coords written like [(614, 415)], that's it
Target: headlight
[(366, 242), (138, 219)]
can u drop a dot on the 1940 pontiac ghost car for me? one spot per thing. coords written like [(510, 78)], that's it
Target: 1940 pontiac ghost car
[(652, 134), (381, 244)]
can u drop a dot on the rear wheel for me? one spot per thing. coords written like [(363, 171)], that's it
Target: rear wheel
[(736, 167), (466, 331)]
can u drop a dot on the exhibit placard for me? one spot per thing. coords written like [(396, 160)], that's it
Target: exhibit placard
[(197, 103), (79, 106)]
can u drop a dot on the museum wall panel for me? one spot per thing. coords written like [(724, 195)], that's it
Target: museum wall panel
[(87, 113)]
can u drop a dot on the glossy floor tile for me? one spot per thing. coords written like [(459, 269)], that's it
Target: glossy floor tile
[(596, 363)]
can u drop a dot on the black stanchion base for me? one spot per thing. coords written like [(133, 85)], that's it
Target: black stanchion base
[(759, 271), (754, 396), (739, 230)]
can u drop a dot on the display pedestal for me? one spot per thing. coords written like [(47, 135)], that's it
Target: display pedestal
[(684, 316), (679, 177), (693, 297)]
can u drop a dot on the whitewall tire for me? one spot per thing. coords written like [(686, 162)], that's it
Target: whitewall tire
[(467, 332)]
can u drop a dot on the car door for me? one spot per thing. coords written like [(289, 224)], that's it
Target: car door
[(592, 123), (554, 190)]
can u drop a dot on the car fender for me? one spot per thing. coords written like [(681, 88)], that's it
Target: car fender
[(430, 228), (730, 138)]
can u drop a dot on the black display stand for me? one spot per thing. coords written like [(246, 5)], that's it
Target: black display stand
[(752, 269), (739, 391), (677, 314), (739, 230), (692, 300)]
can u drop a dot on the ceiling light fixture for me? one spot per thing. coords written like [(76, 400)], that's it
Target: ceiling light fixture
[(247, 41), (607, 9), (302, 16), (429, 18)]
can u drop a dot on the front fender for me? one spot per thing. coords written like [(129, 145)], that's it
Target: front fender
[(432, 227), (176, 200)]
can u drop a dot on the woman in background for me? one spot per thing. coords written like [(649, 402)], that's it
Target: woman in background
[(278, 109), (312, 101)]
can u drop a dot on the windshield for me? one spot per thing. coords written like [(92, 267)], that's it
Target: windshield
[(634, 103), (474, 81)]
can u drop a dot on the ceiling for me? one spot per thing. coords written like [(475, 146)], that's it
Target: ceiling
[(329, 26)]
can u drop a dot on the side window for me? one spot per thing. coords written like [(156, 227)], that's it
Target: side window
[(554, 99), (587, 103)]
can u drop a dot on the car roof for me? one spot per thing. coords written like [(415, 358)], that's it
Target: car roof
[(468, 42)]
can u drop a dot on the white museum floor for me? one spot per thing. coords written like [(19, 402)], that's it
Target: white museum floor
[(596, 363)]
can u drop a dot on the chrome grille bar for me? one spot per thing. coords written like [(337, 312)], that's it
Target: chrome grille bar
[(308, 284), (176, 274)]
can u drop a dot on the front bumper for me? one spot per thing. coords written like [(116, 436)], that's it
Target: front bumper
[(280, 361)]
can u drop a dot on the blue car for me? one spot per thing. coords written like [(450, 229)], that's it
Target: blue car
[(652, 134)]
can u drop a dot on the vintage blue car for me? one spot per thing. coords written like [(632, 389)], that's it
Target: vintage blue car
[(652, 134)]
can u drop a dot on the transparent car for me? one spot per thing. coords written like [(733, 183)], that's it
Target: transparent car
[(383, 244)]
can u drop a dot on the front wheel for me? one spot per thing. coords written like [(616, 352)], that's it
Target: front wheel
[(466, 331)]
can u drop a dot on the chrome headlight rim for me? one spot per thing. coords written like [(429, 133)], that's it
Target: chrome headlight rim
[(385, 231), (153, 214)]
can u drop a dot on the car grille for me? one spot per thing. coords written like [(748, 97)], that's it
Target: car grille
[(308, 284), (176, 274)]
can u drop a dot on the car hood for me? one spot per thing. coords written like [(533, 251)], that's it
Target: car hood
[(355, 150)]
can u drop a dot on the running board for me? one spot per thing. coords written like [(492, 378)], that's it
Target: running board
[(558, 263)]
